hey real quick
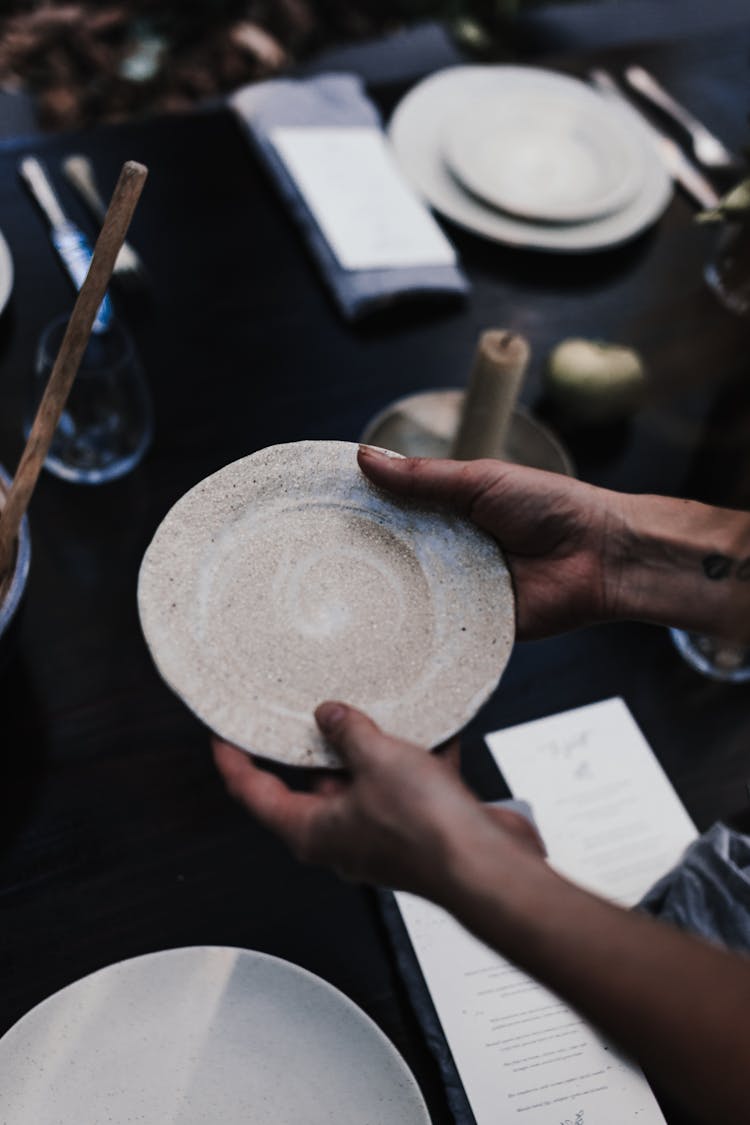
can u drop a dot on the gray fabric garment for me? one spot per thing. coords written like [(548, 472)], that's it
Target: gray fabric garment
[(708, 892), (332, 100)]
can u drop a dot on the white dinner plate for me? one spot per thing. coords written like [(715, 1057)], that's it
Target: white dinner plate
[(6, 273), (286, 579), (416, 132), (203, 1036), (555, 153)]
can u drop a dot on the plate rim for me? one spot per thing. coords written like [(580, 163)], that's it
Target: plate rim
[(7, 273)]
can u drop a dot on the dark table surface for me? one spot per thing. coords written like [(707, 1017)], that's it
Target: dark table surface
[(116, 836)]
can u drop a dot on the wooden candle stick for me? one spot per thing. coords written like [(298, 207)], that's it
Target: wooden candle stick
[(75, 341), (499, 367)]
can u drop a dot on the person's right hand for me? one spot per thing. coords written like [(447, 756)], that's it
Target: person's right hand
[(562, 538), (399, 817)]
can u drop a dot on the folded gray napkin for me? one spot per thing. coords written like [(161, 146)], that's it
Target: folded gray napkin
[(334, 101), (708, 892)]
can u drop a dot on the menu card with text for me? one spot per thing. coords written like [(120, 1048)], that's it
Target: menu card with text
[(607, 812), (612, 822)]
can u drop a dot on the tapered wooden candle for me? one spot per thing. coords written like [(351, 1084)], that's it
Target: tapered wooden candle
[(497, 375)]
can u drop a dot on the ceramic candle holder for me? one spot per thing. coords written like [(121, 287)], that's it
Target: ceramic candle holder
[(425, 425)]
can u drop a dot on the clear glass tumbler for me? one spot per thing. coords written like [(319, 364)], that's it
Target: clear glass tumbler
[(728, 271), (719, 659), (107, 424)]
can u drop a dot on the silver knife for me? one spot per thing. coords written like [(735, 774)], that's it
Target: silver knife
[(693, 182), (708, 149), (80, 173), (68, 240)]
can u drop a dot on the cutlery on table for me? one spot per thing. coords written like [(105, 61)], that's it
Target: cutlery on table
[(80, 174), (707, 148), (68, 240), (673, 158)]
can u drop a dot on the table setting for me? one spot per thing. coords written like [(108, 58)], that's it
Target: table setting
[(595, 183), (497, 260)]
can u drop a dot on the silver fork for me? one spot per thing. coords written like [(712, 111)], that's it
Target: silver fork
[(708, 149), (678, 164)]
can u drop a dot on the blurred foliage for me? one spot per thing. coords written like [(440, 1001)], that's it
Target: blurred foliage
[(89, 61), (327, 17)]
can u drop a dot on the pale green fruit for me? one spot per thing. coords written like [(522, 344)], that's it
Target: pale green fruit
[(593, 381)]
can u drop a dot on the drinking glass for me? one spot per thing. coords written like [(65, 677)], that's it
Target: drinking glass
[(714, 657), (728, 271), (11, 593), (107, 424)]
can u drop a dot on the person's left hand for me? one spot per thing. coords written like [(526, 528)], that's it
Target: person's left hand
[(400, 817)]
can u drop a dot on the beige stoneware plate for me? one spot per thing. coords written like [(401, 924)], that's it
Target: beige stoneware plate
[(286, 578)]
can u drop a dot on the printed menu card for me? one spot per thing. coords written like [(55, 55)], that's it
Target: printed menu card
[(611, 822)]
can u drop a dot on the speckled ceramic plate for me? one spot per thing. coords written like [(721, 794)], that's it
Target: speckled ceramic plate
[(286, 579), (200, 1036)]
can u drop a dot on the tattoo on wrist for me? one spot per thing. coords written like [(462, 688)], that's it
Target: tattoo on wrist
[(718, 566)]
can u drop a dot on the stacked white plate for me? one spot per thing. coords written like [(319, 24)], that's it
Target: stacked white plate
[(529, 158)]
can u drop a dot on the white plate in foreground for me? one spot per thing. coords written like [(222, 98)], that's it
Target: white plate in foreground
[(6, 273), (286, 579), (556, 154), (200, 1036), (416, 133)]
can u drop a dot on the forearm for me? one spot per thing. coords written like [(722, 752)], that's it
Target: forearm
[(679, 1006), (681, 563)]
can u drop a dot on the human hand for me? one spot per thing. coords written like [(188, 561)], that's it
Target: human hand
[(581, 554), (562, 538), (401, 818)]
